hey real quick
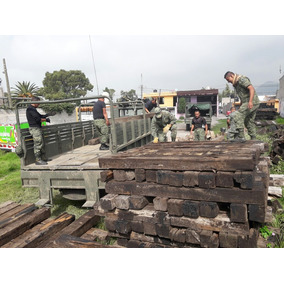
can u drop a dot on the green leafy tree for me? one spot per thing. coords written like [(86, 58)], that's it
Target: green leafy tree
[(64, 85), (25, 89), (181, 105)]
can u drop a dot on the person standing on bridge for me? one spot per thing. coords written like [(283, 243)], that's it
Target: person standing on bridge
[(245, 115), (197, 126), (101, 122), (35, 119), (162, 122)]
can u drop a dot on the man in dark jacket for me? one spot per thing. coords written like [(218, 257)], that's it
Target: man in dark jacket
[(197, 125), (150, 104), (35, 119), (101, 122)]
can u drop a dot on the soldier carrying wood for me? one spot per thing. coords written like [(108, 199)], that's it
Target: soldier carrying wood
[(162, 122)]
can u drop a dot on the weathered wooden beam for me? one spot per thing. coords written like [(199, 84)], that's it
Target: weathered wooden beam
[(68, 241), (227, 195), (15, 214), (7, 206), (33, 237), (76, 228), (15, 229)]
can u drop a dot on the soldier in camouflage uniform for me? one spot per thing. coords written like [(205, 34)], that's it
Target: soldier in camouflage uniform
[(162, 122), (232, 132), (245, 115), (35, 119), (101, 122)]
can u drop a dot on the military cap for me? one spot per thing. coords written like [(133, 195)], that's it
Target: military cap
[(158, 112)]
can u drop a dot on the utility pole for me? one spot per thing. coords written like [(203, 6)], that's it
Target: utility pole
[(8, 85)]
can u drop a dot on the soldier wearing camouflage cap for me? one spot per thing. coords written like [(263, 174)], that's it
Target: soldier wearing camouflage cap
[(162, 122)]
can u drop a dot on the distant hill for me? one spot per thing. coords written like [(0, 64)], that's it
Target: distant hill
[(267, 88)]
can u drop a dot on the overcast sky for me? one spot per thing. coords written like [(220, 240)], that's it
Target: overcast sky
[(165, 62), (170, 44)]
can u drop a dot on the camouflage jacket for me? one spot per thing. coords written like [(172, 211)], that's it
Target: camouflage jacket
[(157, 125), (242, 90)]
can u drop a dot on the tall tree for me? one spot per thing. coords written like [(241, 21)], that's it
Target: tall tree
[(25, 89), (64, 85), (73, 84)]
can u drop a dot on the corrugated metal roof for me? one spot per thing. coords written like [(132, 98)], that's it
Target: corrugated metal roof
[(202, 92)]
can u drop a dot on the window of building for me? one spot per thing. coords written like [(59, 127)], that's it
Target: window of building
[(161, 100)]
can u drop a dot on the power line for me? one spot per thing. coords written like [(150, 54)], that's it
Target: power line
[(96, 79)]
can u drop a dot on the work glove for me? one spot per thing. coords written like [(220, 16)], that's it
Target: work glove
[(166, 128), (47, 120), (156, 140)]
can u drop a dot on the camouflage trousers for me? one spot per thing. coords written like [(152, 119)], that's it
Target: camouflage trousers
[(163, 136), (102, 128), (245, 117), (39, 150), (199, 134)]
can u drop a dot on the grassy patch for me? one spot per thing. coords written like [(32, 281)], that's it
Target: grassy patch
[(11, 188), (280, 120), (222, 123)]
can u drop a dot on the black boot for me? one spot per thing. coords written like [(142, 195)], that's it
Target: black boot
[(104, 147)]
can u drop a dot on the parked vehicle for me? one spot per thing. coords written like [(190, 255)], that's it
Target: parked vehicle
[(205, 111)]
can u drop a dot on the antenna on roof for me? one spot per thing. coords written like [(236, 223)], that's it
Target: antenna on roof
[(96, 79)]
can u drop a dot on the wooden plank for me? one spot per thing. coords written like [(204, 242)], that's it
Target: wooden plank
[(95, 234), (106, 175), (6, 203), (257, 212), (170, 178), (33, 237), (175, 207), (207, 180), (122, 202), (190, 208), (7, 206), (140, 175), (221, 223), (68, 241), (179, 163), (190, 178), (208, 209), (225, 179), (160, 203), (15, 229), (108, 202), (76, 228), (275, 191), (121, 175), (178, 235), (228, 240), (238, 213), (137, 202), (15, 214), (227, 195)]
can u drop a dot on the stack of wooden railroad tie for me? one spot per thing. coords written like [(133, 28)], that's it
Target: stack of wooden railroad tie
[(186, 194)]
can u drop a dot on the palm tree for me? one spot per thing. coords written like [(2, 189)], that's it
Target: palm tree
[(25, 89)]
